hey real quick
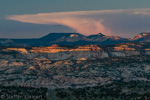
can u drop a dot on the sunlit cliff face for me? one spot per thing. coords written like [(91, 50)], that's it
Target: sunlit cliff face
[(55, 49), (111, 22), (84, 48)]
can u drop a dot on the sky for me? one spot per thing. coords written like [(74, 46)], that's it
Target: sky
[(36, 18)]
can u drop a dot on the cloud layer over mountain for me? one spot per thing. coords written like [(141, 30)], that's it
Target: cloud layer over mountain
[(123, 22)]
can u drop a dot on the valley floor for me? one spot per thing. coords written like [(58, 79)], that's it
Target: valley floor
[(111, 78), (17, 70)]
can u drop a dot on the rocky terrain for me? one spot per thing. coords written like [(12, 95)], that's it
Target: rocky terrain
[(74, 39), (74, 66), (85, 52), (118, 90)]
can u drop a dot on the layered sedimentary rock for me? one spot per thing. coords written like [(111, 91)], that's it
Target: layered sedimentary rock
[(85, 52), (74, 66), (22, 50), (55, 49)]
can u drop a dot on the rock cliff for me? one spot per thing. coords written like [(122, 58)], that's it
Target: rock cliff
[(88, 52)]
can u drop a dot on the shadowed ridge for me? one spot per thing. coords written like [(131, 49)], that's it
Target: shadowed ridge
[(54, 36)]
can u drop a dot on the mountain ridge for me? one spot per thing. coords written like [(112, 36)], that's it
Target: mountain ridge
[(145, 36), (74, 39)]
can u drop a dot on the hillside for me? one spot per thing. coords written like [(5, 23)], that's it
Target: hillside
[(59, 66), (72, 39)]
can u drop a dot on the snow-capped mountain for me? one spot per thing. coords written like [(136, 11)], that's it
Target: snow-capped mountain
[(142, 37), (101, 38), (64, 37)]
